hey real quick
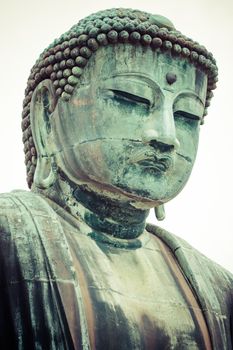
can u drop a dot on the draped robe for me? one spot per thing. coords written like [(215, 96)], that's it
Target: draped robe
[(63, 289)]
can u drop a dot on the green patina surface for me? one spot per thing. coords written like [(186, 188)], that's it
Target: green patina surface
[(111, 123)]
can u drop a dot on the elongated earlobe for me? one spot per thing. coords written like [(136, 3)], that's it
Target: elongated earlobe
[(42, 106), (160, 212), (44, 176)]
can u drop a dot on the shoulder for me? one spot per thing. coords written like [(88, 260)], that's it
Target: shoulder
[(211, 283), (27, 228), (18, 213), (14, 233), (18, 201), (183, 249), (12, 204), (208, 278), (9, 212), (11, 200)]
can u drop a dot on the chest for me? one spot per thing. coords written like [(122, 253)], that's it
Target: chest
[(136, 298)]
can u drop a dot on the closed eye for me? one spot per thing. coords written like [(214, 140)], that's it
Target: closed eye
[(186, 115), (126, 96)]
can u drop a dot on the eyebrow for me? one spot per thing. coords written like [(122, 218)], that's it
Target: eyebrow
[(190, 93), (146, 78), (137, 76)]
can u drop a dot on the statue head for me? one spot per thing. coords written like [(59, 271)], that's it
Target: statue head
[(116, 104)]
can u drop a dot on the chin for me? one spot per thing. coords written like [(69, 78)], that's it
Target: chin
[(150, 197)]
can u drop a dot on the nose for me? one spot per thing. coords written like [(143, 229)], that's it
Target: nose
[(165, 142), (160, 131)]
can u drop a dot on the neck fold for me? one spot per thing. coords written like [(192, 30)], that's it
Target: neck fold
[(116, 218), (119, 219)]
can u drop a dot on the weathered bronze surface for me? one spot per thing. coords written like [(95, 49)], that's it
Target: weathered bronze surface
[(111, 121)]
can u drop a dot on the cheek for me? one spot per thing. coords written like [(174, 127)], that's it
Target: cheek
[(116, 122), (99, 160), (76, 125), (188, 136)]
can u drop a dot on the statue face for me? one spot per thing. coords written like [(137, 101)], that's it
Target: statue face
[(132, 124)]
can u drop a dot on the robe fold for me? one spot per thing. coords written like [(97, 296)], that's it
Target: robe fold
[(48, 302)]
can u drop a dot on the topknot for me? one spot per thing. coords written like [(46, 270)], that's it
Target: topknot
[(63, 61)]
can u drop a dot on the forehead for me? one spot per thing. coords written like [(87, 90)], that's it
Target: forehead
[(123, 59)]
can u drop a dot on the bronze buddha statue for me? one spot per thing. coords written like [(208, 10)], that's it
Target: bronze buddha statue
[(111, 120)]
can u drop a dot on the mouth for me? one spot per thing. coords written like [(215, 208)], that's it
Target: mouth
[(158, 165), (151, 161)]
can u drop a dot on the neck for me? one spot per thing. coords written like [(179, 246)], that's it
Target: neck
[(110, 216), (101, 213)]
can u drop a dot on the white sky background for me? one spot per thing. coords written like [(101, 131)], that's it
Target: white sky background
[(202, 213)]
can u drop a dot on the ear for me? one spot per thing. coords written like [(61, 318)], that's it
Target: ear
[(42, 106)]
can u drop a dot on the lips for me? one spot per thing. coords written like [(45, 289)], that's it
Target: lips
[(151, 160), (157, 164)]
